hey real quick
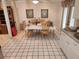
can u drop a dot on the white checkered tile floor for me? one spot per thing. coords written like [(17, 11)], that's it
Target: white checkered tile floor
[(37, 47)]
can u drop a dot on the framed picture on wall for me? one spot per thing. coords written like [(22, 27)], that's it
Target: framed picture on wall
[(29, 13), (44, 13)]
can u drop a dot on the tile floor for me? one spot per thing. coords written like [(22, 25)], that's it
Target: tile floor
[(36, 47), (3, 39)]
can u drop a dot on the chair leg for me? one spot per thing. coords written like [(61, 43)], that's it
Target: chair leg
[(1, 54), (29, 34), (25, 33)]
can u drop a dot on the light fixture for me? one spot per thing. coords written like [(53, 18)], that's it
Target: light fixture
[(35, 1)]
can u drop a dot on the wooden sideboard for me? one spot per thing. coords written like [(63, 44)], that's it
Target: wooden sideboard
[(3, 26), (3, 29)]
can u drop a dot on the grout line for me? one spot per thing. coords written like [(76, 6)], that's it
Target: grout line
[(28, 43), (52, 48)]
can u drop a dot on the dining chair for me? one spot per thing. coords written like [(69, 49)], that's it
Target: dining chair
[(45, 32), (29, 33)]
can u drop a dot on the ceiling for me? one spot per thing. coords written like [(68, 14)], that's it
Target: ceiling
[(44, 0), (52, 0)]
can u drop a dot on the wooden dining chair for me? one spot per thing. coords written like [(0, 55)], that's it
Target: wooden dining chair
[(45, 32), (29, 33)]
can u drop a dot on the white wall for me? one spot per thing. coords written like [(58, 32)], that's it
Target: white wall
[(58, 12), (22, 5), (55, 11)]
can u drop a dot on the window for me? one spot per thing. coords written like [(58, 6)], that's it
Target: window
[(68, 20)]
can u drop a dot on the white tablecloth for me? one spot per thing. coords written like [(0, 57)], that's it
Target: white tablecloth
[(37, 27), (33, 27)]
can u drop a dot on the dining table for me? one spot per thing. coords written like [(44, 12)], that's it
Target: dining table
[(37, 28), (34, 27)]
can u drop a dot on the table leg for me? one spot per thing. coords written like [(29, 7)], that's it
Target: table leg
[(25, 33)]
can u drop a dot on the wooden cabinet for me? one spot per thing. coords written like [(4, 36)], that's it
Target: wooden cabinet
[(10, 13), (3, 27), (12, 22)]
